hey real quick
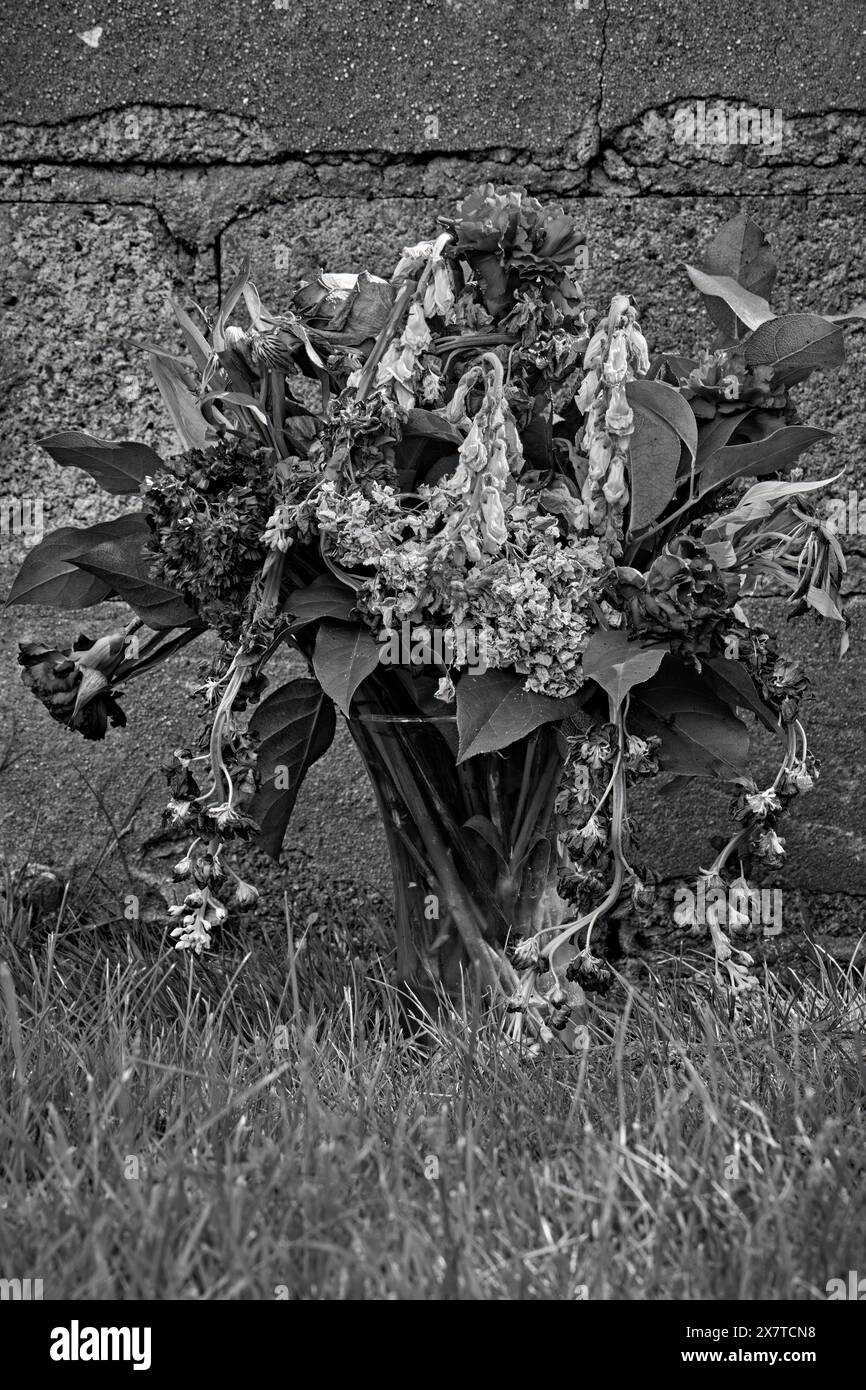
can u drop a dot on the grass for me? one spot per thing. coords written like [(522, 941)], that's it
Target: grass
[(258, 1126)]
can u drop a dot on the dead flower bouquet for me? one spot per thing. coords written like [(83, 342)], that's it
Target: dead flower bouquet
[(516, 550)]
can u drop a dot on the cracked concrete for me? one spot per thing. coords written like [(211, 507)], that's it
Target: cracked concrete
[(193, 135)]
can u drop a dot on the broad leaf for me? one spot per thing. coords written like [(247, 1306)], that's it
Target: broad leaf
[(680, 367), (428, 425), (795, 346), (119, 468), (344, 655), (48, 575), (654, 456), (657, 398), (180, 402), (700, 736), (697, 745), (771, 455), (741, 251), (751, 309), (722, 554), (662, 420), (326, 597), (820, 600), (295, 726), (617, 665), (494, 710), (715, 434), (733, 683), (126, 567)]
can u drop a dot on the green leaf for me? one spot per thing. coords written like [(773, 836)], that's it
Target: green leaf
[(657, 398), (485, 828), (735, 686), (180, 402), (428, 425), (48, 575), (773, 454), (820, 600), (233, 294), (326, 597), (118, 468), (680, 367), (795, 346), (654, 457), (617, 664), (125, 566), (343, 657), (857, 315), (750, 309), (762, 499), (494, 710), (740, 251), (295, 726), (700, 736), (368, 311), (662, 420), (199, 347), (715, 434)]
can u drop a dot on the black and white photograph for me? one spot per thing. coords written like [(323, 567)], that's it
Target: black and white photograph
[(432, 674)]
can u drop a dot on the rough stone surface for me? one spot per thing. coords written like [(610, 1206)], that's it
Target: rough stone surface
[(365, 75), (803, 56), (191, 135)]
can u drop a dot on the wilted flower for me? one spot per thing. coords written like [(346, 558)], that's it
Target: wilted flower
[(177, 812), (524, 953), (596, 751), (759, 803), (592, 834), (619, 418), (801, 779), (493, 530), (245, 894), (771, 847), (75, 686), (183, 867)]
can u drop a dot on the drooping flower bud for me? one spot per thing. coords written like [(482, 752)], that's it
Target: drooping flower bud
[(494, 529)]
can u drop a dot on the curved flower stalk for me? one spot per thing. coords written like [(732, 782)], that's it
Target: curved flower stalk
[(517, 557)]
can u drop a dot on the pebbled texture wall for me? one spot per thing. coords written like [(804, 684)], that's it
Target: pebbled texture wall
[(146, 145)]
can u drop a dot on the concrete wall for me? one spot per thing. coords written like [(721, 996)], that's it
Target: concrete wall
[(150, 156)]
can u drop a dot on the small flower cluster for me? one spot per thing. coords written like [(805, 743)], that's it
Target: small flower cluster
[(584, 806), (480, 551), (723, 377), (204, 861), (207, 511)]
